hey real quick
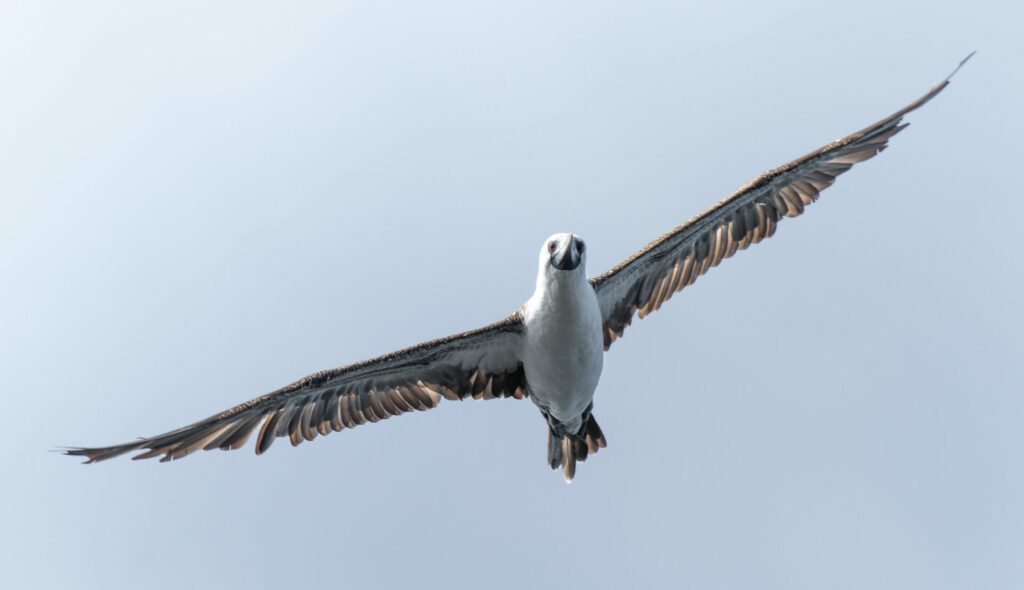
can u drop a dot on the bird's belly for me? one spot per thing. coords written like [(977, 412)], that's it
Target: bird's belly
[(564, 384), (563, 364)]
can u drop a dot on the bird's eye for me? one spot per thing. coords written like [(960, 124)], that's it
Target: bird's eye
[(552, 246), (579, 247)]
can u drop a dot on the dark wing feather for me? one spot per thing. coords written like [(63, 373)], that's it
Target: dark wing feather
[(482, 364), (673, 261)]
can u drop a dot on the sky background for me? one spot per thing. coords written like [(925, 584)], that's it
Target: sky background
[(202, 202)]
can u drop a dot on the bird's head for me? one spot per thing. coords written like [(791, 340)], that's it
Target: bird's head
[(562, 252)]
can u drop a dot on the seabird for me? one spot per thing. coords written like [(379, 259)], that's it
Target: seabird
[(551, 350)]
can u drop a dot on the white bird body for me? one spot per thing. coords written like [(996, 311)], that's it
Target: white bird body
[(563, 346), (552, 348)]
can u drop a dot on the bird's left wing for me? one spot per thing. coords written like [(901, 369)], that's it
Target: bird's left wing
[(483, 364), (673, 261)]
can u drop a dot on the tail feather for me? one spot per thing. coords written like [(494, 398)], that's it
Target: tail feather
[(569, 450), (566, 450), (594, 436), (555, 455)]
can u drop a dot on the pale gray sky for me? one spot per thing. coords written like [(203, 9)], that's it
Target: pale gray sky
[(203, 203)]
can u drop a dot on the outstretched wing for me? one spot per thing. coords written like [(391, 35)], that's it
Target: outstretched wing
[(673, 261), (483, 364)]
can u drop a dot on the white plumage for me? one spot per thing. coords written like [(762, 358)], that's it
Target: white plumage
[(562, 345)]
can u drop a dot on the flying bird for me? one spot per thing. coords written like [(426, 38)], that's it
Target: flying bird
[(551, 350)]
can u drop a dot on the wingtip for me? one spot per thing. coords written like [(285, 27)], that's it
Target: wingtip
[(77, 452), (960, 65)]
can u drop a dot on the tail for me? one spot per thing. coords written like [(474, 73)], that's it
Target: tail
[(565, 450)]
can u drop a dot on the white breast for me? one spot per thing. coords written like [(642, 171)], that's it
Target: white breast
[(563, 348)]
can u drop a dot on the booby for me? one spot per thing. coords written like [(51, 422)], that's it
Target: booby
[(552, 349)]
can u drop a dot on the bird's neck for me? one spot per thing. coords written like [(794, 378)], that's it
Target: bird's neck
[(561, 286), (564, 304)]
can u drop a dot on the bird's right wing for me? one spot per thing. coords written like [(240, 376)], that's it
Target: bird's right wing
[(673, 261), (483, 364)]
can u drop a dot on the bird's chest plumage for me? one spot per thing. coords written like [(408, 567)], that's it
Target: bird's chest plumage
[(564, 350)]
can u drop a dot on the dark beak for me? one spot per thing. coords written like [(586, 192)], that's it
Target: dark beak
[(567, 257)]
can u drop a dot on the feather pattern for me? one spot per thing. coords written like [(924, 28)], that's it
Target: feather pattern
[(642, 283), (481, 364)]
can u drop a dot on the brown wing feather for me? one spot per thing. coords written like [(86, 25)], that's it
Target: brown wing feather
[(482, 364), (642, 283)]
